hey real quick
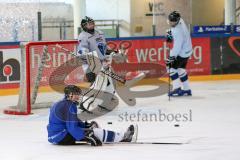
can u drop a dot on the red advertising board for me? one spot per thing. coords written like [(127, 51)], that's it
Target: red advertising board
[(143, 54), (155, 51), (10, 60)]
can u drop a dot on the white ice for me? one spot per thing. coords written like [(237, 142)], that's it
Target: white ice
[(213, 133)]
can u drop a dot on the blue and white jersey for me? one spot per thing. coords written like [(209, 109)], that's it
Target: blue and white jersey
[(63, 120), (182, 44), (92, 42)]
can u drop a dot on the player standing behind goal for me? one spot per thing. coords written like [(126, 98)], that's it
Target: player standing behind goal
[(179, 54), (91, 39), (65, 128)]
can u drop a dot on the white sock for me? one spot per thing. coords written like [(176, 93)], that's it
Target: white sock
[(176, 83), (107, 136), (186, 85)]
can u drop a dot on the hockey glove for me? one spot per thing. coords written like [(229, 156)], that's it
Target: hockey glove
[(119, 57), (169, 62), (92, 139), (91, 125), (82, 54), (110, 51), (169, 36)]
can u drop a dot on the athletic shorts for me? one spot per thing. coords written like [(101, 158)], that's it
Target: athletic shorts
[(180, 62)]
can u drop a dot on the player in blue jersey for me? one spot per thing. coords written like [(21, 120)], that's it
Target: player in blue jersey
[(179, 55), (65, 128)]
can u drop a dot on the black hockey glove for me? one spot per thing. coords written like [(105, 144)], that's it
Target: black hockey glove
[(169, 36), (91, 125), (109, 51), (92, 139), (169, 62)]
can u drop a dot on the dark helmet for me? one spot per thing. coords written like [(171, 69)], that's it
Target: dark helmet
[(72, 89), (84, 23), (174, 16)]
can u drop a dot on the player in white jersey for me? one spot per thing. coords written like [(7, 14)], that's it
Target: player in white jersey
[(91, 39), (179, 54)]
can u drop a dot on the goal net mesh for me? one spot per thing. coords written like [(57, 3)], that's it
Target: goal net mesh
[(46, 68)]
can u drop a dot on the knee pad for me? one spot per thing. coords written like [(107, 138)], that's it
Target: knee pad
[(181, 72), (173, 73)]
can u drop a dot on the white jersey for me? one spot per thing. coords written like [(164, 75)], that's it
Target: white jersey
[(92, 42), (182, 44)]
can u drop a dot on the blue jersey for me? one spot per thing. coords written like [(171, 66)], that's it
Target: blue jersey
[(63, 120)]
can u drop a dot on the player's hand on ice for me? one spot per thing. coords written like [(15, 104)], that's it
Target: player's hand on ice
[(169, 36), (91, 125), (169, 62), (91, 138)]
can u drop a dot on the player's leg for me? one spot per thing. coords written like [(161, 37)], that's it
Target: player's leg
[(90, 76), (67, 140), (175, 79), (184, 79), (184, 76), (107, 136), (91, 100)]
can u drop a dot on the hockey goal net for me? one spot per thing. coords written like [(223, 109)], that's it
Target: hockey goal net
[(46, 68)]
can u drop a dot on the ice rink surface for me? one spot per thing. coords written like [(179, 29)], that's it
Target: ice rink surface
[(213, 132)]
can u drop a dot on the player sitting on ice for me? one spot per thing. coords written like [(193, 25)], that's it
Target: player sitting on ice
[(65, 128), (179, 54)]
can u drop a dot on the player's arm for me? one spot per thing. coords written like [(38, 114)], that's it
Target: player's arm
[(177, 44), (73, 124), (78, 129), (177, 38), (83, 45), (117, 55), (110, 51)]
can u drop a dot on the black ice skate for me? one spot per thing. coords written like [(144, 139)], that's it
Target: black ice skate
[(131, 134)]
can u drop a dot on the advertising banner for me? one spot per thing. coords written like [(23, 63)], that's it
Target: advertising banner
[(212, 29), (10, 60), (225, 55), (154, 52), (147, 55), (237, 29)]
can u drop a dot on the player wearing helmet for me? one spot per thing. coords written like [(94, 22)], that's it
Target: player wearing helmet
[(65, 128), (91, 39), (179, 54)]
